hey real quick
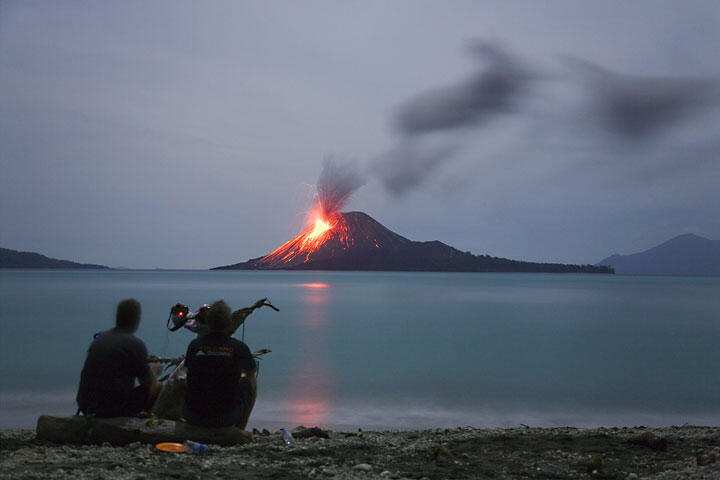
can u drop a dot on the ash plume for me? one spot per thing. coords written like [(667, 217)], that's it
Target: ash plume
[(637, 107), (433, 127), (488, 92), (337, 182), (427, 122), (407, 166)]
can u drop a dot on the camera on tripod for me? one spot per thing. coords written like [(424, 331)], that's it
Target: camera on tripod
[(181, 316)]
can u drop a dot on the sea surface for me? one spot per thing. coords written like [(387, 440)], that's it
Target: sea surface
[(397, 350)]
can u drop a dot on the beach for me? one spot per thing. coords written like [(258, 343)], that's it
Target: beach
[(565, 453)]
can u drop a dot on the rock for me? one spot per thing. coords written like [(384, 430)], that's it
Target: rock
[(632, 476), (385, 473), (363, 467), (651, 441), (303, 432), (443, 454), (594, 463), (706, 459)]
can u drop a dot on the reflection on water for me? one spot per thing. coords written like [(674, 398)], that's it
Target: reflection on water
[(314, 285), (308, 403)]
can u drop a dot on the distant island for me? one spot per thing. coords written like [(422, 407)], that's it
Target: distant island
[(356, 241), (687, 254), (15, 259)]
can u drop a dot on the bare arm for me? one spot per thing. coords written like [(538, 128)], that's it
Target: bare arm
[(239, 316)]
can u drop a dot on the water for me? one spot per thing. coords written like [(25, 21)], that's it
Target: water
[(397, 350)]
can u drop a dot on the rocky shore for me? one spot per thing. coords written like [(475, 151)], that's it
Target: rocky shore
[(565, 453)]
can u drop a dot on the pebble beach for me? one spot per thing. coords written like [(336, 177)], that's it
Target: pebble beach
[(564, 453)]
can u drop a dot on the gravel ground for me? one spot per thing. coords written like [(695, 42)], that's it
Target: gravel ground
[(605, 453)]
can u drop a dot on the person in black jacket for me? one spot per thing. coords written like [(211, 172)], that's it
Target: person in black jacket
[(221, 375), (115, 359)]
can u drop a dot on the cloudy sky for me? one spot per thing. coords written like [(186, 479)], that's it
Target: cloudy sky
[(190, 134)]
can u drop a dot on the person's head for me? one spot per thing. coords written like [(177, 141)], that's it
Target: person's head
[(218, 316), (128, 315)]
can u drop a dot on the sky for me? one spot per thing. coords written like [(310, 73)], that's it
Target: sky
[(190, 134)]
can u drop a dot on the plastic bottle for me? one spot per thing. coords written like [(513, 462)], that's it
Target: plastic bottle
[(287, 436), (194, 447)]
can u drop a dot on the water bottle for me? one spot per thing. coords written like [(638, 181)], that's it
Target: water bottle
[(287, 436), (194, 447)]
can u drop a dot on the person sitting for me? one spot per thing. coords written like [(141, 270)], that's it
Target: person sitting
[(221, 375), (114, 360)]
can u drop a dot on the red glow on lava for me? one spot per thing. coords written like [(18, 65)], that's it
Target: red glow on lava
[(321, 230), (327, 227), (321, 226)]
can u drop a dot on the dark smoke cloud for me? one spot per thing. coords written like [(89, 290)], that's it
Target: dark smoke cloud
[(436, 125), (486, 93), (337, 182), (491, 91), (407, 166), (637, 108)]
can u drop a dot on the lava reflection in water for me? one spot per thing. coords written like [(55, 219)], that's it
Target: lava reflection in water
[(315, 285), (309, 402)]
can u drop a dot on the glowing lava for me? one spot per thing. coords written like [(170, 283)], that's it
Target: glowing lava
[(324, 231), (321, 226), (351, 239)]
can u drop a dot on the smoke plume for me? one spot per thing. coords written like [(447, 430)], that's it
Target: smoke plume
[(488, 92), (407, 166), (337, 182), (434, 126), (427, 122), (637, 107)]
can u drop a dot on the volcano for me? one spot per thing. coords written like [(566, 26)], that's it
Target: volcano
[(356, 241)]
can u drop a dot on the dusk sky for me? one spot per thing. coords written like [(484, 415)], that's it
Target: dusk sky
[(189, 134)]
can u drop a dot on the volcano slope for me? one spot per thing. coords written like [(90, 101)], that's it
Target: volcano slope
[(356, 241)]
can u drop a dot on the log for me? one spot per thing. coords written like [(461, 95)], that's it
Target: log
[(124, 430)]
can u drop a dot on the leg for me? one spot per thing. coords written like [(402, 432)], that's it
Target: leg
[(155, 389), (249, 401), (142, 398)]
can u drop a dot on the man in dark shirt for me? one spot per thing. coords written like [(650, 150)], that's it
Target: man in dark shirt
[(114, 360), (221, 381)]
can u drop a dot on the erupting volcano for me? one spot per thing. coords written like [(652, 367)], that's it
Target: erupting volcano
[(355, 241), (341, 241)]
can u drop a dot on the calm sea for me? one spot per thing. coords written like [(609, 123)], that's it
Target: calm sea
[(397, 350)]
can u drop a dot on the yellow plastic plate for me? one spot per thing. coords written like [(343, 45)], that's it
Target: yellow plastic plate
[(170, 447)]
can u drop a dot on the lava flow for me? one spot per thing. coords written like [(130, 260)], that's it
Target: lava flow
[(332, 230), (328, 227)]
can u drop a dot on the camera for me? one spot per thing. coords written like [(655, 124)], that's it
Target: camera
[(181, 316)]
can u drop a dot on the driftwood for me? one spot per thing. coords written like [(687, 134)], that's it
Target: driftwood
[(125, 430)]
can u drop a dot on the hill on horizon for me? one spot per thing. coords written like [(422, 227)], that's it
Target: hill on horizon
[(687, 254), (356, 241), (16, 259)]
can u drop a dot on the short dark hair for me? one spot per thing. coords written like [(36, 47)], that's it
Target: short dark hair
[(218, 316), (128, 314)]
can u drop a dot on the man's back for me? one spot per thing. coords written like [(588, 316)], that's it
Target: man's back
[(115, 359), (215, 363)]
